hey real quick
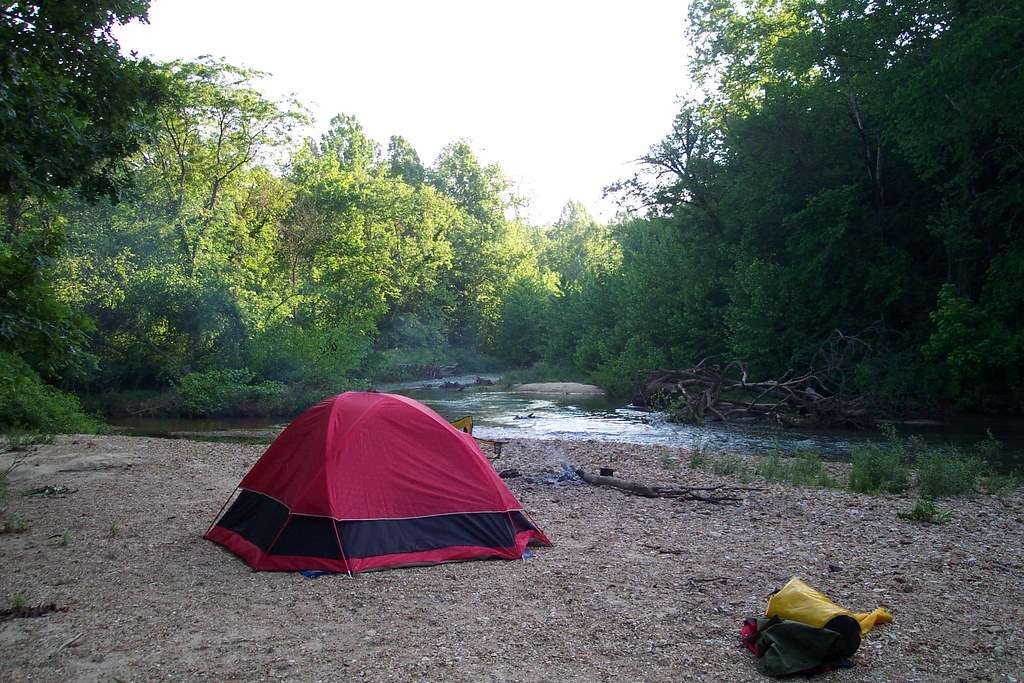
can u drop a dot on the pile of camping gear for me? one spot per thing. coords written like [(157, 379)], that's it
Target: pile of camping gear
[(803, 632)]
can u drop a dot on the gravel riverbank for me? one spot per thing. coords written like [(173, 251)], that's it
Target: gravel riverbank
[(634, 588)]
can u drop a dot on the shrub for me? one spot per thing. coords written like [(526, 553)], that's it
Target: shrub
[(27, 404), (396, 365), (215, 391), (804, 468), (14, 524), (296, 355), (947, 472), (925, 511), (621, 374), (878, 468), (698, 454), (669, 461), (729, 464), (22, 441), (236, 392), (542, 371), (1000, 484)]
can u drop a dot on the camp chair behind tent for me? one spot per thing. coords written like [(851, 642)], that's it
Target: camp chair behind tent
[(465, 424)]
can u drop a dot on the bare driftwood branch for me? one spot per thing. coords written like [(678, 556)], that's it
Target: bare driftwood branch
[(704, 494), (820, 396)]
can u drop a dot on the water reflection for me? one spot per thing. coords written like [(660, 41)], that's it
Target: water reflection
[(495, 411), (500, 413)]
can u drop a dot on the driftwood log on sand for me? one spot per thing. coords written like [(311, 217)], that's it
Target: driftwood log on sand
[(705, 494)]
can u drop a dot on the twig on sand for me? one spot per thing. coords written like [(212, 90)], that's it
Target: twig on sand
[(70, 641)]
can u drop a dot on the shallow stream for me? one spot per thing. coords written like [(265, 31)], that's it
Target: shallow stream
[(500, 413)]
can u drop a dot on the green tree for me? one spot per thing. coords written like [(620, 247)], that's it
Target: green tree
[(346, 140), (404, 162), (72, 108)]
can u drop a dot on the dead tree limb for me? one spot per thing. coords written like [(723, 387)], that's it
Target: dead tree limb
[(704, 494), (820, 396)]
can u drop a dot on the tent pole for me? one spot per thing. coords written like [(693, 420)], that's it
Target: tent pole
[(535, 527), (214, 522), (512, 528), (278, 535), (341, 550)]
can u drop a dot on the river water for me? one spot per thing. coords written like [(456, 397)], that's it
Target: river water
[(500, 413)]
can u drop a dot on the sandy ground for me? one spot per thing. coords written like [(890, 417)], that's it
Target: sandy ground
[(560, 388), (634, 589)]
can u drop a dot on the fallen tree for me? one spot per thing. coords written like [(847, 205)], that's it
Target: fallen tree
[(704, 494), (710, 391)]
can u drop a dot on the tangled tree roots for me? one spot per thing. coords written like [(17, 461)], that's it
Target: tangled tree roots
[(724, 393)]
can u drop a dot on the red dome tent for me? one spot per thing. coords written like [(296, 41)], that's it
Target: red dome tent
[(368, 481)]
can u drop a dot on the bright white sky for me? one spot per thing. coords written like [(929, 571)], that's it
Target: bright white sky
[(562, 94)]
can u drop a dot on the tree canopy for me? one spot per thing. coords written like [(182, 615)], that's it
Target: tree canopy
[(847, 165)]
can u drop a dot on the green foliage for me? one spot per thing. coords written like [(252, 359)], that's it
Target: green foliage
[(925, 511), (525, 310), (803, 468), (404, 162), (68, 123), (853, 167), (881, 467), (293, 355), (16, 441), (946, 471), (5, 473), (621, 373), (34, 324), (208, 393), (239, 392), (888, 210), (979, 349), (542, 371), (669, 461), (699, 454), (14, 523), (27, 404), (72, 110), (1003, 484), (729, 464), (396, 365)]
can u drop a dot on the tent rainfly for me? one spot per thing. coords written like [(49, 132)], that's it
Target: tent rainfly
[(365, 481)]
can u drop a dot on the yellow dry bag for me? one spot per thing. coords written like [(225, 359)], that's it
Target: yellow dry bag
[(797, 601)]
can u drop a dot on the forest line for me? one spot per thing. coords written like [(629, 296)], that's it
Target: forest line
[(850, 166)]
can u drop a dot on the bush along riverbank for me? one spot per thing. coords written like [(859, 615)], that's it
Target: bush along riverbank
[(904, 466), (219, 393), (228, 392)]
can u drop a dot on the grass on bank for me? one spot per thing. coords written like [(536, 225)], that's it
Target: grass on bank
[(803, 468), (243, 392), (14, 523), (926, 511), (894, 465)]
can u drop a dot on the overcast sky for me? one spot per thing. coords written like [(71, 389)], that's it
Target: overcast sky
[(563, 94)]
